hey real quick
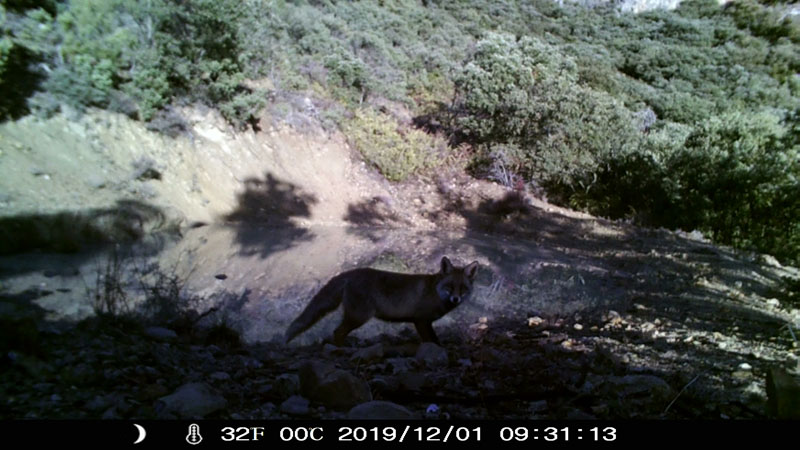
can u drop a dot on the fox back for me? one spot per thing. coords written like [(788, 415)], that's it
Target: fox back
[(394, 297)]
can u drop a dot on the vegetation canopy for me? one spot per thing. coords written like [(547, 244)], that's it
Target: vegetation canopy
[(686, 118)]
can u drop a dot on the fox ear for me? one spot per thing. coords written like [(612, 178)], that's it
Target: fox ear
[(447, 266), (471, 269)]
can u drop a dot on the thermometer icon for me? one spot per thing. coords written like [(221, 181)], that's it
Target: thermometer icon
[(194, 437)]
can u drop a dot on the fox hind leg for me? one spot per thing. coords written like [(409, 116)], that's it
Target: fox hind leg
[(348, 324), (425, 330), (357, 309)]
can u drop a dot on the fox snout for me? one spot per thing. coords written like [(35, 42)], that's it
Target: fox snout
[(455, 299)]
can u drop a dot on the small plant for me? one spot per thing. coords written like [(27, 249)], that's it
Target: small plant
[(158, 297), (109, 296), (397, 151)]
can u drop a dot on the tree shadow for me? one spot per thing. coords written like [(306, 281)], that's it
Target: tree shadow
[(80, 234), (263, 217), (17, 84), (370, 218)]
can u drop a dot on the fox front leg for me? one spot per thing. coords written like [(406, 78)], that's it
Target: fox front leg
[(425, 330)]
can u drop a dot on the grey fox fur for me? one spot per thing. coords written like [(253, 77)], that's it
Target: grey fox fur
[(394, 297)]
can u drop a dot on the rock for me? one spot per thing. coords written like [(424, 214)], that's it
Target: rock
[(193, 400), (431, 355), (646, 385), (613, 319), (111, 414), (332, 387), (432, 411), (251, 363), (577, 414), (399, 365), (477, 331), (383, 384), (629, 387), (341, 390), (295, 406), (771, 261), (311, 375), (535, 321), (161, 334), (122, 405), (380, 410), (153, 391), (98, 402), (329, 349), (371, 353), (286, 385), (43, 387), (487, 355), (267, 409), (537, 406), (220, 376), (412, 381), (783, 394)]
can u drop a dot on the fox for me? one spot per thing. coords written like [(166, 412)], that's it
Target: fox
[(365, 293)]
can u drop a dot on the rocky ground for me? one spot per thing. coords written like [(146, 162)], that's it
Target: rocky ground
[(622, 365)]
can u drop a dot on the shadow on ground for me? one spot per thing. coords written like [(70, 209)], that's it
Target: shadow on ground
[(263, 216), (79, 234)]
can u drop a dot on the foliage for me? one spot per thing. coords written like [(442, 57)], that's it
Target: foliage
[(397, 151), (525, 94), (739, 178), (153, 51), (547, 93)]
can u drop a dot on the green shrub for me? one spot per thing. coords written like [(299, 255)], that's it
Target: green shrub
[(155, 52), (762, 20), (396, 150), (633, 185), (525, 94), (738, 177)]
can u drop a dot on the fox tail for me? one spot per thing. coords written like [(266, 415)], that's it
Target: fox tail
[(327, 299)]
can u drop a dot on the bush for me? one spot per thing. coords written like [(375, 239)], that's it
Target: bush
[(397, 151), (738, 177), (17, 80), (154, 52), (630, 185), (524, 95)]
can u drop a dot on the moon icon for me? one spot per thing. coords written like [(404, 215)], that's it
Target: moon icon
[(142, 433)]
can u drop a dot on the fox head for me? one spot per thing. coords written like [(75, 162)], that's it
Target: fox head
[(455, 283)]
